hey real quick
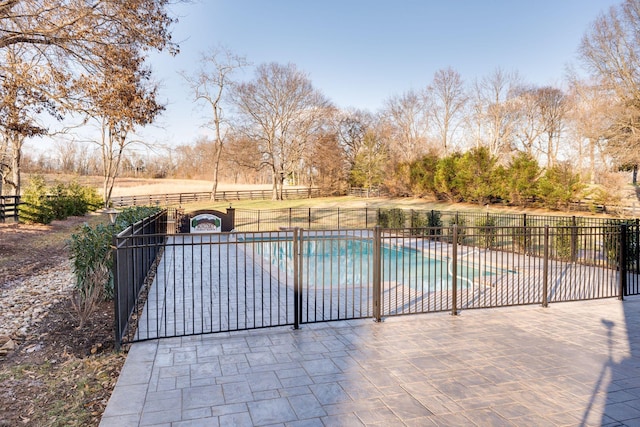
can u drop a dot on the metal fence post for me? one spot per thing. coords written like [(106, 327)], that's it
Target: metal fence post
[(366, 217), (545, 268), (296, 282), (623, 262), (454, 271), (574, 239), (377, 269), (300, 274)]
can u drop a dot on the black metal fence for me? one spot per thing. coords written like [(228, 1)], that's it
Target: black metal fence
[(226, 195), (338, 218), (135, 251), (578, 206), (9, 208), (245, 280), (309, 218)]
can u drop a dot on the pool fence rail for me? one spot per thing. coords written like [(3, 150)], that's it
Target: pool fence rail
[(240, 280), (368, 217)]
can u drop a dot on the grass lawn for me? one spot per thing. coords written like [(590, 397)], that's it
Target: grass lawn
[(377, 202)]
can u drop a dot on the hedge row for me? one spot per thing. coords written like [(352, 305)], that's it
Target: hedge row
[(476, 177)]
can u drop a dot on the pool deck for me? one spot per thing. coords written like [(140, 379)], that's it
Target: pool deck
[(570, 364)]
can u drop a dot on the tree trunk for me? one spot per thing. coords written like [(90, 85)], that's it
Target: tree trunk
[(274, 180), (592, 161), (15, 168), (281, 185), (216, 169)]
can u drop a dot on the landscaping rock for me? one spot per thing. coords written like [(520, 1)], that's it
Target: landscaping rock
[(26, 301)]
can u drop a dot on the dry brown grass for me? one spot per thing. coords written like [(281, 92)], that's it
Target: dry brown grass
[(144, 186)]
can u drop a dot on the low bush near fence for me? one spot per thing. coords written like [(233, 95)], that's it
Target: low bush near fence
[(42, 204), (426, 223), (611, 243), (486, 231), (90, 251), (391, 218)]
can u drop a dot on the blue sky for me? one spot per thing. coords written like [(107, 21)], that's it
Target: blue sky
[(359, 52)]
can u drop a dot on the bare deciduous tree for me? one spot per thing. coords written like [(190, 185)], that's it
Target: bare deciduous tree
[(371, 161), (351, 127), (59, 40), (448, 100), (20, 105), (279, 109), (610, 50), (588, 122), (553, 108), (67, 153), (494, 118), (406, 118), (209, 85), (329, 163), (528, 125), (76, 28), (120, 98)]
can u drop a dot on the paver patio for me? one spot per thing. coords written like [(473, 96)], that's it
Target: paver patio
[(570, 364)]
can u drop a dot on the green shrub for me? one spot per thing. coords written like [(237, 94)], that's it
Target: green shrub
[(522, 239), (81, 200), (486, 231), (559, 186), (42, 203), (90, 248), (519, 180), (444, 178), (565, 241), (434, 219), (611, 243), (35, 207), (418, 223), (461, 222), (421, 175), (418, 219), (475, 178), (60, 202), (132, 215), (391, 218), (426, 223)]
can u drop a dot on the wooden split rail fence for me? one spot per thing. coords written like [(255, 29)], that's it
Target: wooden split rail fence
[(181, 198), (9, 208)]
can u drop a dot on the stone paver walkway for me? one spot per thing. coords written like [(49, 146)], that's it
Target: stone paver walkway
[(570, 364)]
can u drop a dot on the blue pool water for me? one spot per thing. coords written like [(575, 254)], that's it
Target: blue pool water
[(349, 262)]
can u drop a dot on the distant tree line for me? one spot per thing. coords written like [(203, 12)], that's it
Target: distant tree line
[(495, 138)]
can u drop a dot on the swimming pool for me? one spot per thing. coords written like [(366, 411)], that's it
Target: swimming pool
[(331, 261)]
